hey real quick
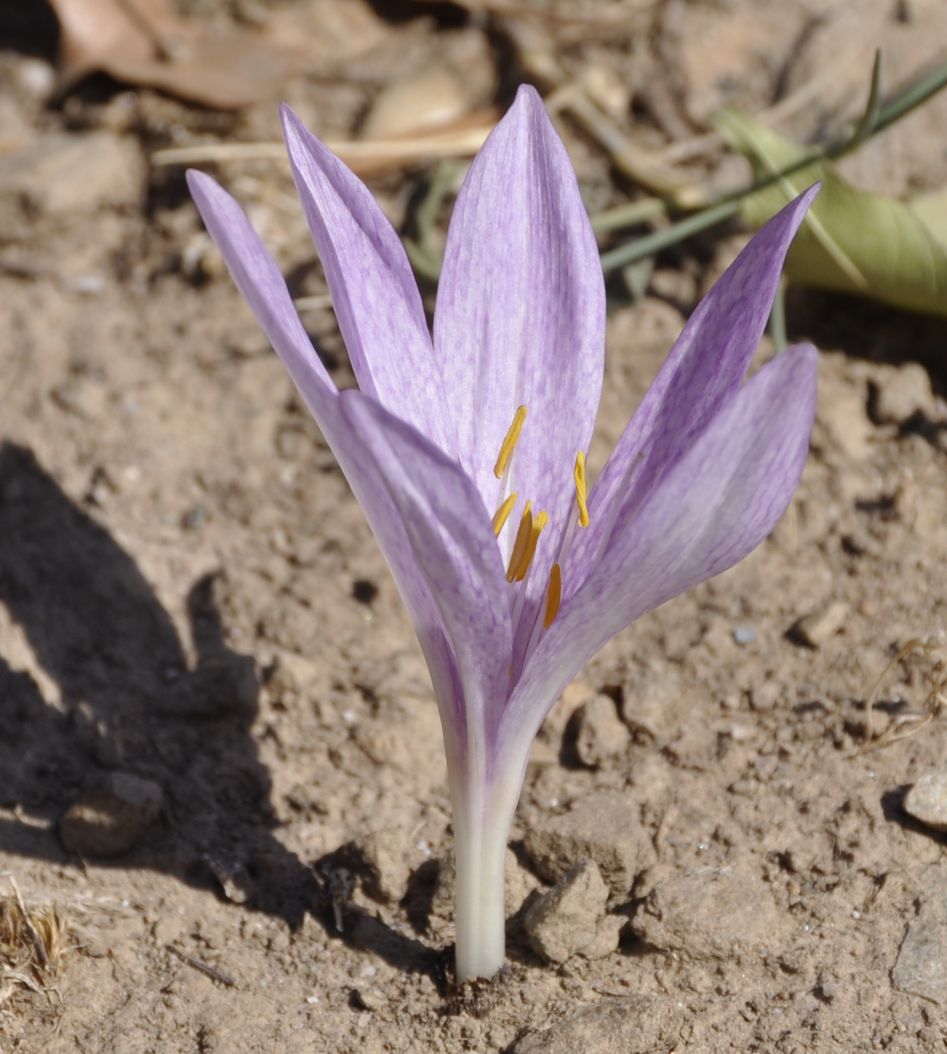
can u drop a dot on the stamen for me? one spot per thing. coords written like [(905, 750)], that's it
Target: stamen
[(503, 514), (527, 558), (580, 491), (523, 534), (553, 595), (509, 442)]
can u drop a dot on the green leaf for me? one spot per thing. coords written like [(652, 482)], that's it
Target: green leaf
[(931, 210), (852, 241)]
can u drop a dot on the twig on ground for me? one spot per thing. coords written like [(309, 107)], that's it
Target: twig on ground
[(202, 967)]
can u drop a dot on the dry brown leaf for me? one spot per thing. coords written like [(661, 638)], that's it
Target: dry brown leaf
[(147, 43)]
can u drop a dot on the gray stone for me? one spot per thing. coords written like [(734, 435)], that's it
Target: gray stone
[(600, 734), (744, 635), (638, 1024), (927, 799), (711, 913), (570, 919), (921, 967), (603, 827), (111, 819)]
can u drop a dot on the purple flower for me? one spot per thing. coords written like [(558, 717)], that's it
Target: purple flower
[(466, 451)]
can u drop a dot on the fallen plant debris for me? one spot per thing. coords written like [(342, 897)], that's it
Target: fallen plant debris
[(147, 43), (367, 157), (32, 941)]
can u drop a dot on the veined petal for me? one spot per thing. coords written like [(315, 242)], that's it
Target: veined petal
[(703, 369), (715, 505), (521, 313), (455, 549), (256, 275), (259, 280), (374, 293)]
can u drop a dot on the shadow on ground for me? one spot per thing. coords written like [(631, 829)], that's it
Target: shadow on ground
[(131, 702)]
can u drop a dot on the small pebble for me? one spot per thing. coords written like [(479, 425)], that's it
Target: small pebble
[(744, 635), (906, 392), (764, 696), (602, 826), (570, 919), (111, 819), (600, 733), (818, 626), (35, 77), (927, 799), (390, 866), (232, 877), (369, 998)]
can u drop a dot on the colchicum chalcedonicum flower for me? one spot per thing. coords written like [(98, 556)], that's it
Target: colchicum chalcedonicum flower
[(467, 449)]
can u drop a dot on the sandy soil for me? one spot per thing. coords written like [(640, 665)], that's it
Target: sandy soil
[(195, 620)]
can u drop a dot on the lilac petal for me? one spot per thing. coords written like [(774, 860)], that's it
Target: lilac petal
[(374, 293), (454, 548), (259, 280), (713, 507), (704, 367), (520, 316), (262, 286)]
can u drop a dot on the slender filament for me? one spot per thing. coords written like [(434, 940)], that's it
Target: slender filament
[(503, 514), (509, 443), (553, 595), (580, 489)]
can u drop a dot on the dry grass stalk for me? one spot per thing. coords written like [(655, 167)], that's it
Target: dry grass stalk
[(31, 945), (911, 722)]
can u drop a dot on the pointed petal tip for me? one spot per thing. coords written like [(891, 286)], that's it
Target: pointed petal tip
[(301, 144), (289, 119), (527, 95), (791, 216), (293, 128), (528, 107), (205, 191)]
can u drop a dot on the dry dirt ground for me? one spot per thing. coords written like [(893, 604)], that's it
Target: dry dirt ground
[(199, 640)]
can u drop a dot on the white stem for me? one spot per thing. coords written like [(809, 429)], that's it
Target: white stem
[(482, 819)]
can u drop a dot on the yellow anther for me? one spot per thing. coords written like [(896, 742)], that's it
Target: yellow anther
[(580, 491), (553, 595), (527, 558), (509, 442), (503, 514), (523, 534)]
